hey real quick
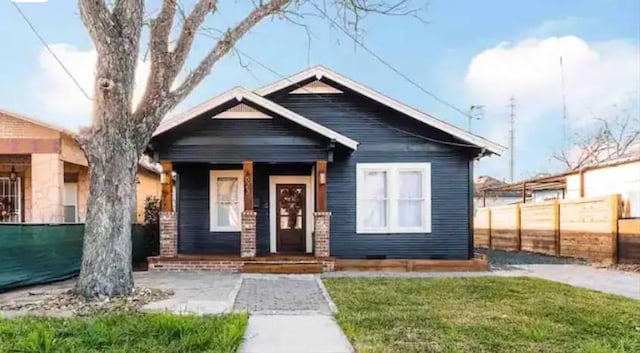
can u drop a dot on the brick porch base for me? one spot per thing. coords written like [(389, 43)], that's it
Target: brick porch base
[(233, 264)]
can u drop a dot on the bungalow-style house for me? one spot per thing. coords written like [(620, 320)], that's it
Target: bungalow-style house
[(44, 175), (318, 165)]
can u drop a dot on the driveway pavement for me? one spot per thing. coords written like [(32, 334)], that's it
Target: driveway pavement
[(602, 280)]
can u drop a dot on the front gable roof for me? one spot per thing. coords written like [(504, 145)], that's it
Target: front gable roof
[(319, 72), (241, 94)]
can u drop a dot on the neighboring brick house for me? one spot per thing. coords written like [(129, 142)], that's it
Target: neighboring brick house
[(44, 176)]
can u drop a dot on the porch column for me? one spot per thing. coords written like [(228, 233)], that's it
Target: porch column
[(47, 184), (321, 218), (248, 226), (168, 218)]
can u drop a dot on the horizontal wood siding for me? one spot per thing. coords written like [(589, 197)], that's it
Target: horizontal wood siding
[(194, 235), (375, 128), (236, 140)]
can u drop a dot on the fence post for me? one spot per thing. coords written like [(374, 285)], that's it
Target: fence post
[(489, 228), (615, 215), (518, 228), (556, 225)]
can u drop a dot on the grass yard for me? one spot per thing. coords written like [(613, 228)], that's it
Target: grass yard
[(124, 333), (483, 314)]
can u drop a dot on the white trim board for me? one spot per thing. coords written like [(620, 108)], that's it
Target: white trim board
[(240, 94), (320, 71), (310, 199)]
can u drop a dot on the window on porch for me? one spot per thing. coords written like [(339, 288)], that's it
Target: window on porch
[(10, 200), (226, 200)]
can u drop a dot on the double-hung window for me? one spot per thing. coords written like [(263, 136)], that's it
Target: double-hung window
[(70, 202), (226, 200), (393, 197)]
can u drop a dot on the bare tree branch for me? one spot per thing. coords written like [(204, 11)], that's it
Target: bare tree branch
[(612, 138), (188, 33), (97, 19), (224, 45)]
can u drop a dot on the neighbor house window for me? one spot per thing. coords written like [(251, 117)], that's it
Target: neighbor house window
[(10, 198), (70, 202), (226, 201), (393, 197)]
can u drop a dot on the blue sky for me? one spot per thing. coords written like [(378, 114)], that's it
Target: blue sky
[(468, 52)]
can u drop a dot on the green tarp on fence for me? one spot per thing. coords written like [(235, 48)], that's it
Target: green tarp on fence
[(40, 253)]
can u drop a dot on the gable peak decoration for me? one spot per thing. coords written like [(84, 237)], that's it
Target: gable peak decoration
[(316, 87), (241, 111)]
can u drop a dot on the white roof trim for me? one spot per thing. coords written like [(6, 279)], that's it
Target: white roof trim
[(320, 71), (241, 94)]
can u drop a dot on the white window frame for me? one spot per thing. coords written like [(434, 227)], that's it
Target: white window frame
[(213, 195), (392, 171), (75, 204)]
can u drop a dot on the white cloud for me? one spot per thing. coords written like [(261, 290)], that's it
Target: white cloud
[(557, 26), (597, 76), (61, 101)]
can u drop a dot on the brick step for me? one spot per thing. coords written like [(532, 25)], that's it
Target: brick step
[(282, 268)]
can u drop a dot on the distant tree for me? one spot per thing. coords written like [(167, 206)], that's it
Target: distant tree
[(608, 139), (119, 133)]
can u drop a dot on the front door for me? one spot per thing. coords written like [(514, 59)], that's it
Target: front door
[(291, 217)]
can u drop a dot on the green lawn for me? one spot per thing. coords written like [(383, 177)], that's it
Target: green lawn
[(124, 333), (490, 314)]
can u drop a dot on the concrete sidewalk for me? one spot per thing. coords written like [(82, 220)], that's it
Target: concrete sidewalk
[(294, 334), (289, 314)]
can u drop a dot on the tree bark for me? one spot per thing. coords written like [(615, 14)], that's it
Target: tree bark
[(111, 147), (106, 261)]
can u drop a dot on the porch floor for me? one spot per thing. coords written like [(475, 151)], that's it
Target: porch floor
[(264, 263)]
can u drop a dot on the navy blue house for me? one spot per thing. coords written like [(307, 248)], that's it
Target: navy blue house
[(317, 164)]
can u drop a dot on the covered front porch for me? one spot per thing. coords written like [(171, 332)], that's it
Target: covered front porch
[(249, 217)]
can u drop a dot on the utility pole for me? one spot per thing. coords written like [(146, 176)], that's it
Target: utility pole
[(512, 137), (564, 105)]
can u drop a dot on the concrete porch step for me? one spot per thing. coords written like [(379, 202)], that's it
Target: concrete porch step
[(282, 267)]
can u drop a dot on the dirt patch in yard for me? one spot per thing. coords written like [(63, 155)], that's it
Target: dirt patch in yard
[(69, 303)]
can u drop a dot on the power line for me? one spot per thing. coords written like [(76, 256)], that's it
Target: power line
[(33, 29), (388, 65), (479, 113), (296, 84)]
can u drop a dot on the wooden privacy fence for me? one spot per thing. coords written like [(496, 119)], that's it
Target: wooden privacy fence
[(629, 241), (585, 228)]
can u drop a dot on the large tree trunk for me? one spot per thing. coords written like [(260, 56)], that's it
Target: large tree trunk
[(106, 261), (112, 146)]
